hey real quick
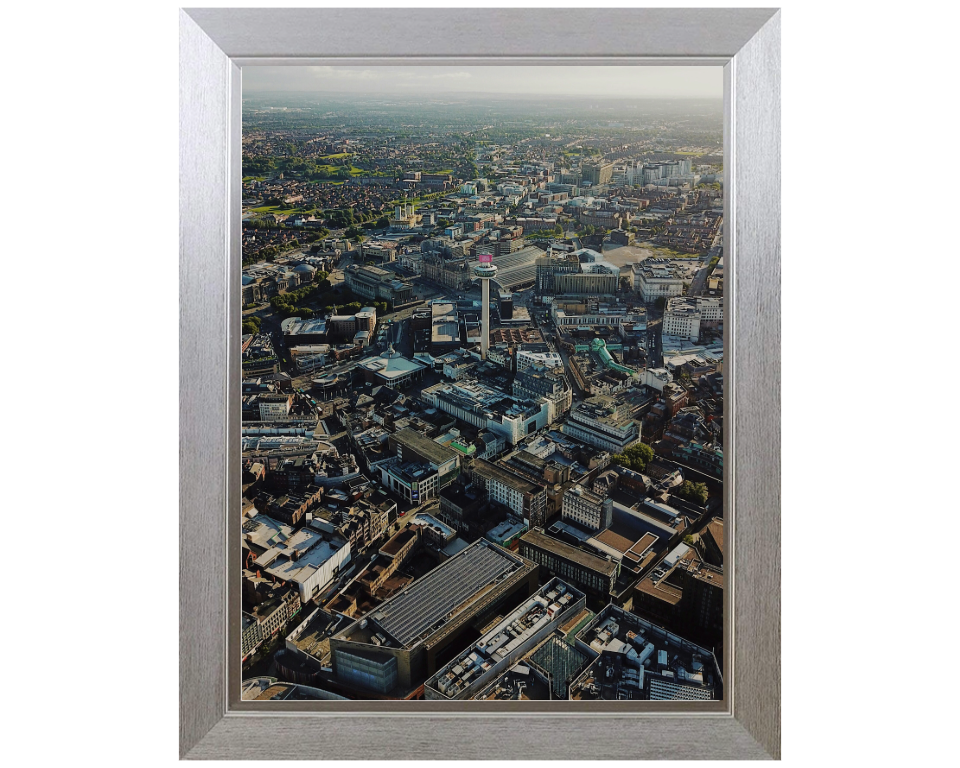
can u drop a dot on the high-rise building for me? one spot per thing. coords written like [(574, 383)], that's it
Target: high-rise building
[(597, 173)]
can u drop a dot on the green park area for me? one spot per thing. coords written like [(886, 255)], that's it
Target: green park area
[(276, 210)]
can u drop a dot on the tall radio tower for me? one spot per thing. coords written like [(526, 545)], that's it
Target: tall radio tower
[(485, 270)]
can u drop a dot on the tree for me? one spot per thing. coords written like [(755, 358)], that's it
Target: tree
[(693, 492), (624, 283), (250, 328), (636, 457)]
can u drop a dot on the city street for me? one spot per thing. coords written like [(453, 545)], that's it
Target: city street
[(699, 285), (654, 342)]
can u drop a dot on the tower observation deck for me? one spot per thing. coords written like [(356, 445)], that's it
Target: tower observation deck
[(484, 271)]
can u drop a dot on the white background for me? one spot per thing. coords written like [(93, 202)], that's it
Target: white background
[(869, 422)]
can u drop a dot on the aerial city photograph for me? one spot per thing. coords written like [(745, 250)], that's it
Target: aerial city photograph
[(482, 383)]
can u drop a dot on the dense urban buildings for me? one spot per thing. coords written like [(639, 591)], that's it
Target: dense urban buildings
[(482, 399)]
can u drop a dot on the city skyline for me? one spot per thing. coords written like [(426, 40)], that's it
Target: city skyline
[(482, 395)]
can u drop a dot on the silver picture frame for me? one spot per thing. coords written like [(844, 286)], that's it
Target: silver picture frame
[(215, 44)]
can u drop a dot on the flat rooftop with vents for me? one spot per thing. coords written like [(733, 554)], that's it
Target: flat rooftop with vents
[(638, 660), (506, 642), (521, 683)]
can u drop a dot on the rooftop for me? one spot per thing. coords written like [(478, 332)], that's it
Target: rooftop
[(640, 660), (506, 529), (398, 541), (300, 555), (294, 326), (444, 326), (429, 521), (432, 601), (312, 637), (519, 683), (602, 565), (391, 367), (715, 529), (664, 580), (423, 446), (562, 661), (512, 480), (506, 639), (265, 532)]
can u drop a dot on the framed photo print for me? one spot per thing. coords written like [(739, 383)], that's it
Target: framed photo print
[(480, 384)]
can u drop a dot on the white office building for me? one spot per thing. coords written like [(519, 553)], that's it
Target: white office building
[(526, 359), (685, 315), (589, 509), (308, 559), (656, 278)]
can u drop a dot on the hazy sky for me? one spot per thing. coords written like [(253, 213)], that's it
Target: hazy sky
[(629, 82)]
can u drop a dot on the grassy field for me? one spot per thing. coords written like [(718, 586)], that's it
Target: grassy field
[(667, 253), (628, 254), (274, 209), (331, 169)]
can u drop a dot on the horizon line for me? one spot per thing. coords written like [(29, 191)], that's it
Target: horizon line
[(486, 93)]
